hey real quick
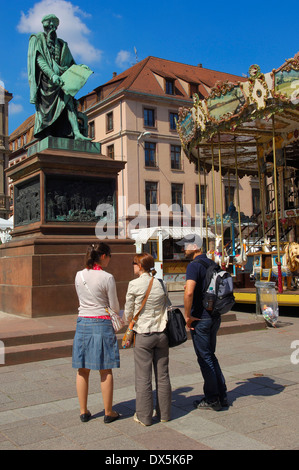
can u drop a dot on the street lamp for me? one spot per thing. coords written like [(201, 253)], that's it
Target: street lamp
[(143, 134)]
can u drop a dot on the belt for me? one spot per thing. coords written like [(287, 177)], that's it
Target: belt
[(103, 317)]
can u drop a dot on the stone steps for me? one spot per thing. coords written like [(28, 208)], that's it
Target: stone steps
[(23, 347)]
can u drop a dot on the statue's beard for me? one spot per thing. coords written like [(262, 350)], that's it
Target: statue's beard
[(51, 36), (51, 39)]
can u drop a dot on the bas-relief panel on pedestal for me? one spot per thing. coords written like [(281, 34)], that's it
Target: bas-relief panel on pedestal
[(75, 200)]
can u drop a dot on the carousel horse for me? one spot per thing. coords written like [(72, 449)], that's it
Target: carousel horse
[(240, 260), (216, 255), (266, 245)]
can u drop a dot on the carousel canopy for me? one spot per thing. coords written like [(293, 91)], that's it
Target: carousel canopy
[(242, 119)]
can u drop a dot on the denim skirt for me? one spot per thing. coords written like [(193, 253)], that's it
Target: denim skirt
[(95, 345)]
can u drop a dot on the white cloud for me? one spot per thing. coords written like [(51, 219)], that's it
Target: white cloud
[(15, 108), (124, 59), (71, 27)]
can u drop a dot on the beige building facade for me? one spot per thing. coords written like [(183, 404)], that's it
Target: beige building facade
[(133, 116), (5, 98)]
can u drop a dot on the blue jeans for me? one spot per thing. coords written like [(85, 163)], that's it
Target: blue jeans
[(204, 342)]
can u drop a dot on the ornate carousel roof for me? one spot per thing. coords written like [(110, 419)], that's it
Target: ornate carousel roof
[(243, 120)]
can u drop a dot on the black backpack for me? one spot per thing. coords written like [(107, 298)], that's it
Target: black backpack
[(218, 291)]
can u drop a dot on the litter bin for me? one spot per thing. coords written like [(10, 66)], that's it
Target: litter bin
[(266, 301)]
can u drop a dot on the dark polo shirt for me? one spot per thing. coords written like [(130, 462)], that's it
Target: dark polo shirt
[(197, 272)]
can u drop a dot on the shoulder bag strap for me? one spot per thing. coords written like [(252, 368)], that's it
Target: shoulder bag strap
[(207, 266), (144, 300), (165, 291), (85, 283)]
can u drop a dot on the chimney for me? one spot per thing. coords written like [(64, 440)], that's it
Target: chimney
[(199, 65), (114, 74)]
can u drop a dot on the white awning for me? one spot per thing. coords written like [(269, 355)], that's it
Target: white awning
[(5, 224), (144, 234)]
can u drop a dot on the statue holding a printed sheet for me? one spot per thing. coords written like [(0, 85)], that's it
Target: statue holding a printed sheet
[(54, 79)]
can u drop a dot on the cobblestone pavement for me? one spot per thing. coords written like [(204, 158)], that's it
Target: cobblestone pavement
[(39, 406)]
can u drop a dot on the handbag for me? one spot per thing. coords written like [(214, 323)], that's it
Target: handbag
[(129, 336), (175, 326), (117, 321)]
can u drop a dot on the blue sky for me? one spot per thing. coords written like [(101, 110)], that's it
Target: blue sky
[(224, 36)]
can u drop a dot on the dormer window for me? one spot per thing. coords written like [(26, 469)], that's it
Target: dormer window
[(193, 89), (169, 86)]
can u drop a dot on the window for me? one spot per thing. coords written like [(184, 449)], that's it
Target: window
[(173, 117), (91, 130), (203, 192), (169, 87), (256, 208), (149, 117), (193, 89), (175, 151), (150, 154), (177, 194), (151, 248), (24, 139), (151, 194), (109, 122), (110, 151), (229, 196)]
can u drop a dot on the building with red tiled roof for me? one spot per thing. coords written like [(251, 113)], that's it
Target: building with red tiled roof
[(133, 116)]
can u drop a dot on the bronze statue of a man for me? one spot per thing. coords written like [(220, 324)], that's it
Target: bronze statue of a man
[(48, 58)]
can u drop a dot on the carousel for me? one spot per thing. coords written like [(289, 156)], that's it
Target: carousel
[(252, 128)]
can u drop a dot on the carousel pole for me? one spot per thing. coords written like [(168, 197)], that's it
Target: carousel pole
[(280, 288), (199, 185), (232, 227), (262, 208), (206, 208), (221, 203), (214, 193), (238, 195)]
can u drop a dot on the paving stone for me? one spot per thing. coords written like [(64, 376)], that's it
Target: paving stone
[(29, 434), (234, 441), (39, 408)]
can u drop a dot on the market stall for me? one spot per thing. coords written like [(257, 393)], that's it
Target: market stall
[(170, 262)]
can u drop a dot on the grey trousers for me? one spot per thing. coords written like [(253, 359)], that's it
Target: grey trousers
[(152, 351)]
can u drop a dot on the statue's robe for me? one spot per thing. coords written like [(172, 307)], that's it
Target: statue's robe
[(49, 99)]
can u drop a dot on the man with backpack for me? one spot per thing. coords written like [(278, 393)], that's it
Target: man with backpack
[(203, 325)]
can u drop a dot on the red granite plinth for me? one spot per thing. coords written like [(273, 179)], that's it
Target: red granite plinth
[(38, 266), (37, 274)]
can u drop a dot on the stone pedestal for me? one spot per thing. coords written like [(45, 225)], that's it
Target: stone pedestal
[(57, 190)]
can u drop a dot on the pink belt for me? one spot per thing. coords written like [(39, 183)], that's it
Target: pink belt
[(103, 317)]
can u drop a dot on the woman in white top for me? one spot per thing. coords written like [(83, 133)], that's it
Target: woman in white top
[(151, 344), (95, 345)]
